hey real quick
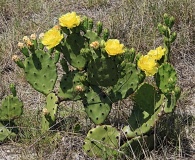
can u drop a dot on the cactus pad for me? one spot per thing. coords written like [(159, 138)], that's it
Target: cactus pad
[(97, 105), (11, 108), (71, 50), (69, 86), (144, 115), (49, 112), (127, 83), (5, 133), (40, 70), (102, 141), (171, 100), (92, 36), (102, 72)]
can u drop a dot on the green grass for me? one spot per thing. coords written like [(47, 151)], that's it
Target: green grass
[(135, 24)]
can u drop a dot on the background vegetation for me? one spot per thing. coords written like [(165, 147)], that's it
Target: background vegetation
[(135, 24)]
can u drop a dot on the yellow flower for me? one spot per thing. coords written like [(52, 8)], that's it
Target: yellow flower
[(69, 20), (148, 65), (52, 38), (113, 47), (157, 53)]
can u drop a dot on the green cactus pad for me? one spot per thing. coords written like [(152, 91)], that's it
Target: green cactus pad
[(5, 133), (127, 83), (49, 112), (71, 50), (102, 142), (102, 72), (171, 100), (166, 78), (97, 105), (11, 108), (92, 36), (141, 121), (145, 97), (68, 86), (40, 70)]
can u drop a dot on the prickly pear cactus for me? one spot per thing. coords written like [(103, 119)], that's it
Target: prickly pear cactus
[(41, 72), (97, 105), (49, 112), (146, 112), (102, 142), (11, 108)]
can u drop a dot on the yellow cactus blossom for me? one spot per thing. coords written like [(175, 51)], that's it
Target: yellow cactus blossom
[(51, 38), (69, 20), (113, 47), (148, 65), (157, 53)]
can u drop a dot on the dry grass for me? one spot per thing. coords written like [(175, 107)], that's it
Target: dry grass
[(134, 23)]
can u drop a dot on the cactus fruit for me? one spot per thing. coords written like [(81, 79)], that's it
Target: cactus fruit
[(97, 105), (41, 72), (49, 112), (102, 141), (166, 78)]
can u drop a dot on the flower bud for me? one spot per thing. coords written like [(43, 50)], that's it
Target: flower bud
[(33, 36), (95, 45), (20, 45), (41, 35), (171, 21), (15, 58), (45, 111), (79, 88), (25, 39), (99, 27)]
